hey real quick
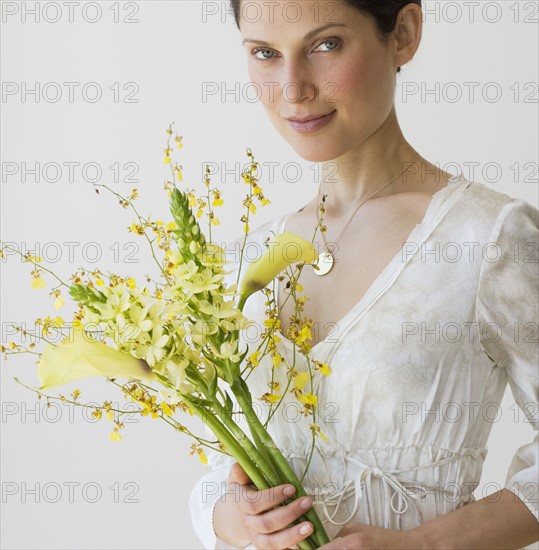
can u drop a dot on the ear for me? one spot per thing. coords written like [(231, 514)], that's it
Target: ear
[(407, 33)]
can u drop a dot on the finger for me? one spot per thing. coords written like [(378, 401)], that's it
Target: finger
[(237, 475), (282, 539), (255, 501), (279, 518)]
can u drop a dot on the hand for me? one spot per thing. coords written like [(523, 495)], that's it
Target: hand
[(249, 516), (359, 536)]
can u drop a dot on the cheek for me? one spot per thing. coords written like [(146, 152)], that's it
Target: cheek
[(365, 92), (359, 79), (262, 87)]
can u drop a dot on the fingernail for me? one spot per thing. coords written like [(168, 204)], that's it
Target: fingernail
[(305, 503), (289, 490), (305, 529)]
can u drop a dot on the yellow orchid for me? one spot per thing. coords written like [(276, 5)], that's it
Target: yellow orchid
[(80, 357), (38, 282), (272, 397), (114, 435), (307, 399), (59, 302), (283, 250), (253, 358), (301, 380)]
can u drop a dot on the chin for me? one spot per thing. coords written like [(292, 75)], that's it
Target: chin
[(315, 148), (316, 156), (320, 146)]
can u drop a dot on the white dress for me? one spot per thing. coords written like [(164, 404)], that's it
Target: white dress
[(416, 363)]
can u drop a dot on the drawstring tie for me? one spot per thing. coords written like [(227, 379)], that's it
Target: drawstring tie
[(394, 485)]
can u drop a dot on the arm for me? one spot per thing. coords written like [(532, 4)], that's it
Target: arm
[(500, 520), (507, 294)]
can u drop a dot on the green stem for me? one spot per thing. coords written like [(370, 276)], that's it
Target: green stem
[(260, 445), (251, 468), (263, 460), (37, 264), (241, 391), (241, 302)]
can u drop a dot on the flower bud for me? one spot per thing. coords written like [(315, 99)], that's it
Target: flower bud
[(283, 250)]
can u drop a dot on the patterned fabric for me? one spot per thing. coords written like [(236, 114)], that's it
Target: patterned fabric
[(419, 364)]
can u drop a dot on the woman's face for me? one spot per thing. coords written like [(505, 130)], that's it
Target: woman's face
[(302, 72)]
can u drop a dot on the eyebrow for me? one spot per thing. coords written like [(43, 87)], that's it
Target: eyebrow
[(309, 35)]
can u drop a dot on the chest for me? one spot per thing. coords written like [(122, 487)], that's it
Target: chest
[(371, 242)]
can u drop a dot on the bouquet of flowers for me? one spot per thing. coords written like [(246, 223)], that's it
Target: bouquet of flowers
[(175, 342)]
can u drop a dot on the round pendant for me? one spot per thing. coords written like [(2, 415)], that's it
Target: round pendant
[(324, 263)]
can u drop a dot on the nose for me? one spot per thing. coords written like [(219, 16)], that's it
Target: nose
[(298, 83)]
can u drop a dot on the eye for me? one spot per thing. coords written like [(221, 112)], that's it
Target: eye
[(258, 50), (331, 40)]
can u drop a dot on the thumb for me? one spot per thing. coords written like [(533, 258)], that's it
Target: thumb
[(237, 475)]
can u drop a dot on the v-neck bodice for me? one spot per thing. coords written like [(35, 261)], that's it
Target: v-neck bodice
[(439, 205)]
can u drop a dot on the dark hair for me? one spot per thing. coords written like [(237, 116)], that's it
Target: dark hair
[(383, 12)]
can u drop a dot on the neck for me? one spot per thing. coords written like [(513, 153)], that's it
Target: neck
[(365, 168)]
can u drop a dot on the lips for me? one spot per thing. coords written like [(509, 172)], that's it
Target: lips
[(311, 123), (308, 117)]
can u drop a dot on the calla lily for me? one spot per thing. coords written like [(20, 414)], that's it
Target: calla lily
[(80, 357), (283, 250)]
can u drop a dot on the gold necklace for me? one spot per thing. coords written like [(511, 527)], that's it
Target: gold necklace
[(325, 259)]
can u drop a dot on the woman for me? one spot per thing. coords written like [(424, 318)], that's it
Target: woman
[(424, 270)]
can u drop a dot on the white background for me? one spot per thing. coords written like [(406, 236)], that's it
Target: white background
[(169, 51)]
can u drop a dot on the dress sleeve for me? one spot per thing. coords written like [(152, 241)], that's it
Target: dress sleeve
[(507, 313), (207, 491)]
